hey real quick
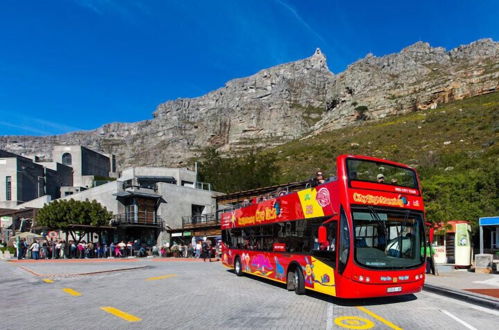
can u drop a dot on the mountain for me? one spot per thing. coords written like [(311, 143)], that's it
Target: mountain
[(289, 101)]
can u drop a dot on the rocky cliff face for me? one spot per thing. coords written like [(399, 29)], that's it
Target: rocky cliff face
[(287, 102), (418, 78)]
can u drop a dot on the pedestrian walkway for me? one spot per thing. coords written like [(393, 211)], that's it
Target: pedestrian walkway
[(106, 260), (480, 288)]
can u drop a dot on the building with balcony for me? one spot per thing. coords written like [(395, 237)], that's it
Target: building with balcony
[(147, 202)]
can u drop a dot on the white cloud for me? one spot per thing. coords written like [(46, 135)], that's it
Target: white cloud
[(302, 21), (34, 125), (24, 128), (124, 8)]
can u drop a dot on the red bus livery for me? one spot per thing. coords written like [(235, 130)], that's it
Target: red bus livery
[(359, 234)]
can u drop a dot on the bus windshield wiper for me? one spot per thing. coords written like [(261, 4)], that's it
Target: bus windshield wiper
[(376, 217)]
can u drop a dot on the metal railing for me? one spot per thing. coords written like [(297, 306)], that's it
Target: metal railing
[(129, 184), (200, 220), (203, 186), (138, 218)]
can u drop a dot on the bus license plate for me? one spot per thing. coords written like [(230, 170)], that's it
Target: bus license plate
[(394, 289)]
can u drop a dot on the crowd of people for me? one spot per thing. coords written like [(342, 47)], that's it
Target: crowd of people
[(201, 249), (60, 249)]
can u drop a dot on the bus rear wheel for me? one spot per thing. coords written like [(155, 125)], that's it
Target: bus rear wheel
[(295, 281), (238, 269)]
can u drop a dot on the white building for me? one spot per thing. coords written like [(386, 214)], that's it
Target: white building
[(147, 202)]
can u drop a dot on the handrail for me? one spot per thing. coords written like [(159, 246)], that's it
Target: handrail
[(139, 217), (200, 219)]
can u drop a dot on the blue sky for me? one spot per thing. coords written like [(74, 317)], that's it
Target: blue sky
[(67, 65)]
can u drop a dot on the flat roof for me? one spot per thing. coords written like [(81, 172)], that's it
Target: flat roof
[(136, 193), (489, 221)]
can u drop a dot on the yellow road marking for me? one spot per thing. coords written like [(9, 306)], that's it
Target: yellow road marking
[(160, 277), (121, 314), (71, 292), (379, 318), (47, 280), (354, 322)]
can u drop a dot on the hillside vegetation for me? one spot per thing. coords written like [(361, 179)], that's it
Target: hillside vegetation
[(454, 148)]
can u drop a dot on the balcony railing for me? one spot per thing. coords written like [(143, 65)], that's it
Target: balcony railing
[(138, 218), (203, 186), (130, 185), (199, 220)]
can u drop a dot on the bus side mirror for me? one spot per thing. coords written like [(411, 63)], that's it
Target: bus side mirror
[(322, 235)]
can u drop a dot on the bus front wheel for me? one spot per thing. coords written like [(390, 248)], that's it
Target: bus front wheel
[(295, 281), (237, 267)]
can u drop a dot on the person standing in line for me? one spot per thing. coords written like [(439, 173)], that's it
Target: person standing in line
[(117, 251), (190, 251), (122, 248), (205, 251), (104, 251), (53, 249), (35, 250), (72, 250), (18, 248), (79, 249), (45, 250), (198, 249), (111, 249), (89, 250), (25, 248), (57, 250), (129, 249), (62, 251)]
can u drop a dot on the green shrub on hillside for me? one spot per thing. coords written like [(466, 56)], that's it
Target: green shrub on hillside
[(248, 171)]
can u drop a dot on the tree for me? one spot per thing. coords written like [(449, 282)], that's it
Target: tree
[(248, 171), (59, 214), (466, 195), (361, 112)]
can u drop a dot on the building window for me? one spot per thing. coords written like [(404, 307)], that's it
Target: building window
[(8, 188), (197, 213), (67, 159)]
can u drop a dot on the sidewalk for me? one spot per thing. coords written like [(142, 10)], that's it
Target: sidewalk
[(63, 268), (481, 289)]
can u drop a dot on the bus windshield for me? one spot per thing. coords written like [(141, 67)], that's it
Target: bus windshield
[(379, 172), (388, 238)]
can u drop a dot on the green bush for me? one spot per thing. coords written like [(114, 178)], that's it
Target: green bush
[(11, 249)]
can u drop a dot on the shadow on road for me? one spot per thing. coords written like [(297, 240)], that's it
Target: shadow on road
[(339, 301)]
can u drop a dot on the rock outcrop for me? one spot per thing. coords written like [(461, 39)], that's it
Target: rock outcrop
[(418, 78), (286, 102)]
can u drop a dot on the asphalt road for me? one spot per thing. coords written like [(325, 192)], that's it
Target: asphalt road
[(185, 295)]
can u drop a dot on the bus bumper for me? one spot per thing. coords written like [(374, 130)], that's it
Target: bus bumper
[(368, 290)]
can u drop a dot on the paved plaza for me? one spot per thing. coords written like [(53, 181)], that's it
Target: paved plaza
[(159, 294)]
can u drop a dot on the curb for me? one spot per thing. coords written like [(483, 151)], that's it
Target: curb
[(467, 297)]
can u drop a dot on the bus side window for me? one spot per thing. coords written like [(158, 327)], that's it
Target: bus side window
[(344, 247), (332, 236)]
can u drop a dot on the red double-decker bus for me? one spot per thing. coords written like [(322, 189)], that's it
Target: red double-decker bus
[(359, 234)]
